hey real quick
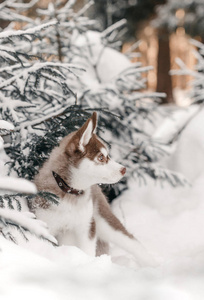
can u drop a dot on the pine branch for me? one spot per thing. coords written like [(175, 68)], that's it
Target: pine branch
[(26, 221), (31, 32), (22, 6)]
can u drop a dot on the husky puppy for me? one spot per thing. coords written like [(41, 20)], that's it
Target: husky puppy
[(83, 217)]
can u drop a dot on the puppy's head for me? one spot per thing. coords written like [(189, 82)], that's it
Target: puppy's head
[(89, 158)]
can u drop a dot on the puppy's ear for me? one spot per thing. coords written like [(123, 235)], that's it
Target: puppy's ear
[(82, 136), (86, 131), (94, 118)]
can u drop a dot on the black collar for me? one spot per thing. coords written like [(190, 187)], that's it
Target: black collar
[(65, 187)]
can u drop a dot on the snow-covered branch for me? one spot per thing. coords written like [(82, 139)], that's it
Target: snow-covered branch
[(84, 8), (113, 27), (6, 126), (27, 32), (37, 121), (21, 6), (27, 221), (197, 92)]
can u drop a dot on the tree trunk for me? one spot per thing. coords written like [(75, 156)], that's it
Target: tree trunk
[(3, 24), (164, 82)]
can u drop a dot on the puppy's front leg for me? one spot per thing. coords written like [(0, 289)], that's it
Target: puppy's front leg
[(86, 238)]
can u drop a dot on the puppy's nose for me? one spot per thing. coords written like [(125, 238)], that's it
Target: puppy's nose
[(123, 171)]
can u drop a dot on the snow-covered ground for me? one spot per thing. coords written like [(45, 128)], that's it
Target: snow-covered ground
[(168, 222), (67, 273)]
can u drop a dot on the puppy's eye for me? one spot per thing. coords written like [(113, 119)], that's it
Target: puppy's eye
[(101, 157)]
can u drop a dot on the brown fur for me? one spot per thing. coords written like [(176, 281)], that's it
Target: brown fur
[(93, 148), (90, 150), (102, 248), (44, 180), (92, 230)]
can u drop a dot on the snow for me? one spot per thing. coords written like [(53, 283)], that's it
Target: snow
[(187, 157), (17, 185), (97, 54), (169, 222), (1, 143), (6, 125), (68, 273), (28, 221), (172, 124)]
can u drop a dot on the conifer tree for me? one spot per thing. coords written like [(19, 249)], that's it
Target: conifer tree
[(11, 216), (55, 73)]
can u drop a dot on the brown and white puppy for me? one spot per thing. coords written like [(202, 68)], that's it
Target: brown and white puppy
[(83, 216)]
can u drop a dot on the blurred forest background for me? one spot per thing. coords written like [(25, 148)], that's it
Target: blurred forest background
[(164, 28)]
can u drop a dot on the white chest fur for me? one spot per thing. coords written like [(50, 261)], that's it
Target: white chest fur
[(69, 215)]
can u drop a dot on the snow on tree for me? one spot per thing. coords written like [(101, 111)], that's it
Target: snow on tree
[(11, 214), (13, 10), (31, 90), (8, 183), (48, 99), (69, 23)]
